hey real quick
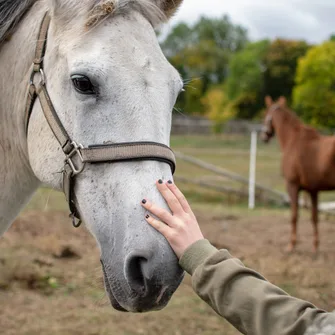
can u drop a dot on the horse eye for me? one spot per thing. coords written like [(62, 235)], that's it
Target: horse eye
[(82, 84)]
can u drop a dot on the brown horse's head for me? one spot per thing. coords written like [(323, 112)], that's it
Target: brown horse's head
[(268, 130)]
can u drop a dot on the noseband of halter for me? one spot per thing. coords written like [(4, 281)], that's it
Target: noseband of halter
[(268, 122), (76, 155)]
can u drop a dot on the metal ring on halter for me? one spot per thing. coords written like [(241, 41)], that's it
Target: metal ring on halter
[(42, 77), (75, 151)]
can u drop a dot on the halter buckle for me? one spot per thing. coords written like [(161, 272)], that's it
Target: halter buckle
[(69, 158)]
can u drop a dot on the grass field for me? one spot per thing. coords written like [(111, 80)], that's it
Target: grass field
[(50, 277)]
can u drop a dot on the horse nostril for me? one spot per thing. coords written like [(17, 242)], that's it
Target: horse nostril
[(137, 273)]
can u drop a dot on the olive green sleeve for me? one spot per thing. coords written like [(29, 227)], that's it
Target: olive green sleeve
[(243, 297)]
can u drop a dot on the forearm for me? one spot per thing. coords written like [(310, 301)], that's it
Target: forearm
[(244, 297)]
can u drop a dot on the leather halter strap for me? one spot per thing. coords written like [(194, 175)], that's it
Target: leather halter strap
[(76, 156)]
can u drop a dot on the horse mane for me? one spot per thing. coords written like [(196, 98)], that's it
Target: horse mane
[(11, 13), (310, 132), (105, 8), (291, 116)]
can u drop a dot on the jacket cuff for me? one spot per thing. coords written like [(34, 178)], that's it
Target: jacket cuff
[(196, 254)]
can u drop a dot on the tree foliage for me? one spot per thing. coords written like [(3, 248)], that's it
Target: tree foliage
[(281, 63), (228, 77), (245, 83), (202, 52), (218, 107), (263, 68), (314, 94)]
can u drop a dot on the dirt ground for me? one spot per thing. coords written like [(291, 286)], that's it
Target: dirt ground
[(50, 277)]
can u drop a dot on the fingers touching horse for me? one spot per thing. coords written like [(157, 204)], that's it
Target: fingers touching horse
[(100, 78), (308, 159)]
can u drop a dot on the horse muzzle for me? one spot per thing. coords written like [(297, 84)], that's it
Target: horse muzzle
[(145, 285), (266, 135)]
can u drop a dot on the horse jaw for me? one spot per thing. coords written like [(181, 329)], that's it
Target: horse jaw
[(137, 91)]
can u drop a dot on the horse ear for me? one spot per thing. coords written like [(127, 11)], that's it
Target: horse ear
[(282, 101), (268, 101), (169, 7)]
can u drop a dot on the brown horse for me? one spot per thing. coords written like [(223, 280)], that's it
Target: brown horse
[(308, 159)]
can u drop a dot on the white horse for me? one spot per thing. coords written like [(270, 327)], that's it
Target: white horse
[(108, 82)]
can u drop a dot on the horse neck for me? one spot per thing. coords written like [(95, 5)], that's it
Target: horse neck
[(286, 125), (17, 181)]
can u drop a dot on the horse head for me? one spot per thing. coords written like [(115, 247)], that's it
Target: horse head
[(268, 129), (109, 83)]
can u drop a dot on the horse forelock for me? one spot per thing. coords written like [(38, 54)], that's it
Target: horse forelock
[(106, 8)]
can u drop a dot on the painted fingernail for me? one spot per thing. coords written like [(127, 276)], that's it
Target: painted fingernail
[(147, 216), (169, 182), (160, 181), (144, 201)]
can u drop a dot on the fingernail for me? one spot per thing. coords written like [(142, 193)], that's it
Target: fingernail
[(160, 181), (147, 216), (144, 201), (169, 182)]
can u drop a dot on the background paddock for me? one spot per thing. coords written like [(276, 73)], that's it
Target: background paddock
[(50, 277)]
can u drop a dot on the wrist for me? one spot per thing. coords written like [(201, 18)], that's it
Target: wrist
[(196, 254)]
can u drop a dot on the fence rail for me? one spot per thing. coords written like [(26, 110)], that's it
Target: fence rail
[(263, 194)]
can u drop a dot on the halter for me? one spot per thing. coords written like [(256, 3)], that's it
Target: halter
[(268, 121), (101, 153)]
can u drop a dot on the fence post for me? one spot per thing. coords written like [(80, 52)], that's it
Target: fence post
[(252, 169)]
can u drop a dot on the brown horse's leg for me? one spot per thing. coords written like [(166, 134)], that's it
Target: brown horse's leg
[(314, 198), (293, 191)]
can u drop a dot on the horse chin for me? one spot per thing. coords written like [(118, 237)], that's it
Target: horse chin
[(113, 300), (108, 289)]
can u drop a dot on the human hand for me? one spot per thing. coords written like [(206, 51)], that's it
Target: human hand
[(180, 228)]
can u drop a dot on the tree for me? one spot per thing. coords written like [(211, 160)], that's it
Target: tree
[(189, 100), (203, 60), (179, 38), (218, 107), (314, 94), (281, 63), (202, 52), (263, 68), (245, 82)]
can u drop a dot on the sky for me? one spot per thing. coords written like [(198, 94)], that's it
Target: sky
[(312, 20)]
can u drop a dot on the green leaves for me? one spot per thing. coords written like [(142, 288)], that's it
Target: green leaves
[(314, 94), (228, 77), (281, 64), (245, 82), (202, 52), (262, 68)]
